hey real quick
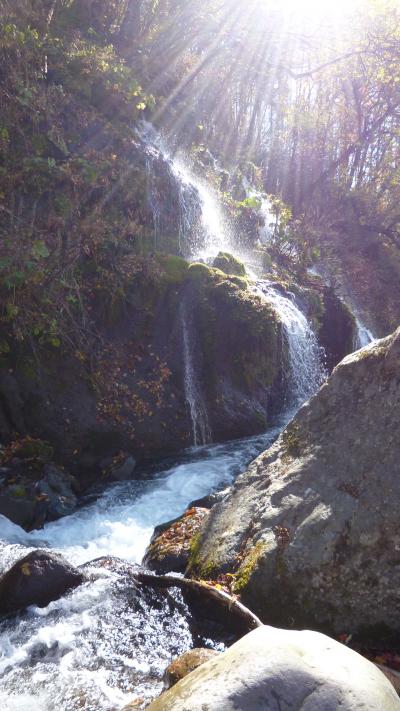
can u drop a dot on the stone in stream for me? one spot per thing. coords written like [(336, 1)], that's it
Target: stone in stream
[(169, 548), (37, 579), (34, 490), (311, 529), (186, 663), (272, 669)]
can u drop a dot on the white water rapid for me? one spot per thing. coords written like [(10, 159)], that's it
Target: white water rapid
[(101, 646), (104, 644)]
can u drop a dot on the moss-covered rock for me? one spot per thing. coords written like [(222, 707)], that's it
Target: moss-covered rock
[(229, 264), (186, 663), (33, 490), (170, 546), (128, 394)]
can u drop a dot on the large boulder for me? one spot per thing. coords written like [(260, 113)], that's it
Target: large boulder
[(169, 319), (310, 530), (281, 669), (37, 579)]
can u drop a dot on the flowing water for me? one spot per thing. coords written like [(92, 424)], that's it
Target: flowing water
[(363, 336), (106, 643), (102, 645), (197, 407), (305, 372)]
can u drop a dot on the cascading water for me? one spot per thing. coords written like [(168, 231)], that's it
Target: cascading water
[(194, 398), (306, 372), (103, 644), (202, 227), (269, 218), (363, 336)]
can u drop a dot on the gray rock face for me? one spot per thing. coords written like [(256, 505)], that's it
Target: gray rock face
[(310, 530), (271, 669), (125, 470)]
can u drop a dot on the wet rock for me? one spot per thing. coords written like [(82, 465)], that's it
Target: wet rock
[(16, 507), (37, 579), (310, 530), (124, 470), (170, 546), (32, 489), (186, 663), (281, 669), (207, 502), (337, 329)]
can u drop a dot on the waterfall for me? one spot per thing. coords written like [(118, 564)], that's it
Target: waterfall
[(202, 227), (194, 398), (306, 370), (363, 336), (266, 231), (203, 233)]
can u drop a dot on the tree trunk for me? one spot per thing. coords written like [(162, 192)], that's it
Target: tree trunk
[(131, 24)]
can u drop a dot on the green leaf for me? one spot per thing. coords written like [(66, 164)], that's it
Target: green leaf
[(11, 311), (40, 250)]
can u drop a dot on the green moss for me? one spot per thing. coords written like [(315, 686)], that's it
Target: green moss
[(34, 449), (204, 571), (228, 264), (292, 441), (19, 492), (194, 550), (247, 567), (174, 268), (240, 282), (201, 272)]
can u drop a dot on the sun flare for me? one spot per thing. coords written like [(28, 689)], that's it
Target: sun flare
[(302, 11)]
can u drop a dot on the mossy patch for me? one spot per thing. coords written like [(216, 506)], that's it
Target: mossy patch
[(241, 282), (292, 441), (247, 566), (29, 448), (202, 272), (174, 269), (229, 264), (202, 570)]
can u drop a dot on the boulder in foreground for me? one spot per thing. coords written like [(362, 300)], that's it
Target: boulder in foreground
[(37, 579), (310, 530), (280, 669)]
